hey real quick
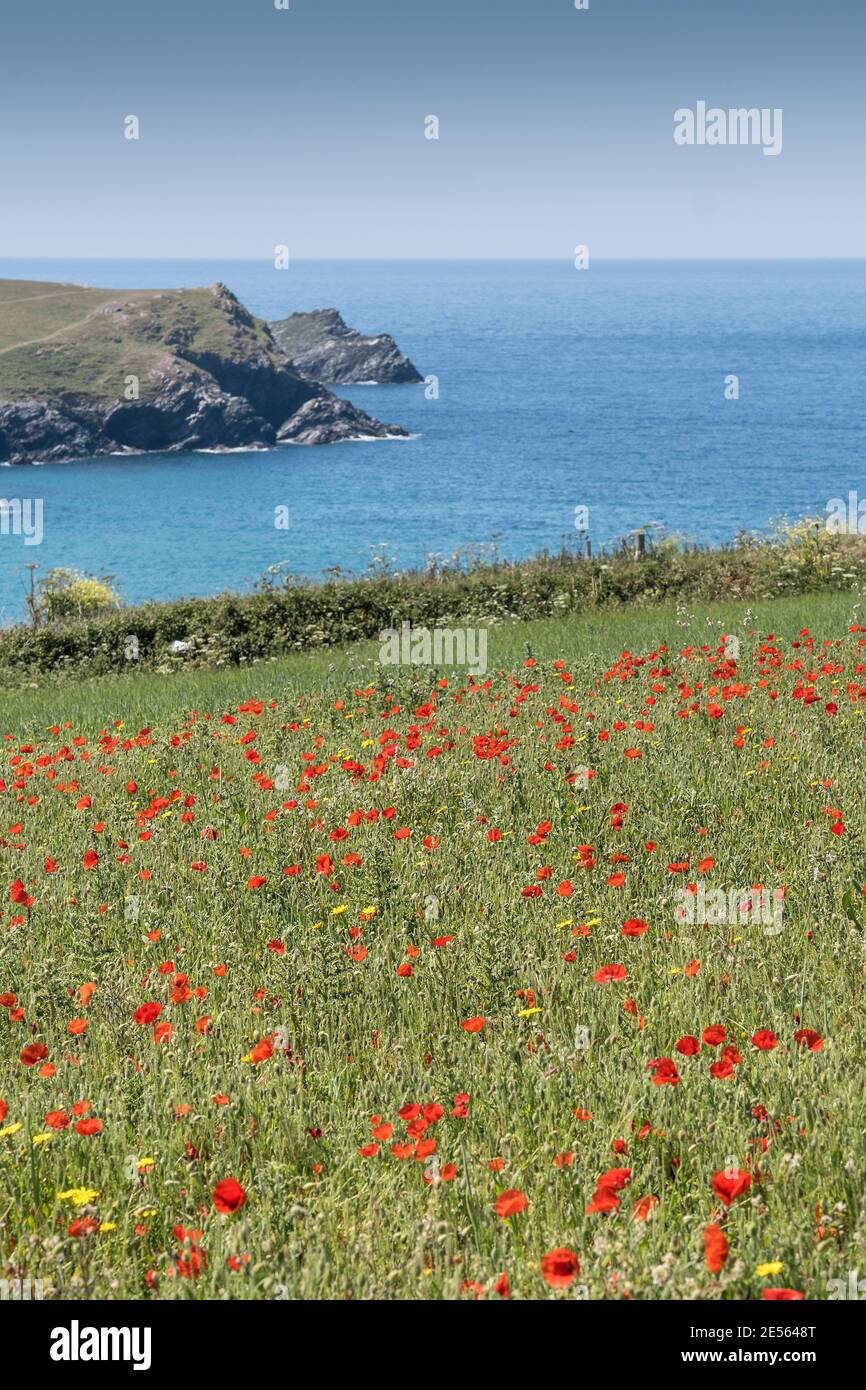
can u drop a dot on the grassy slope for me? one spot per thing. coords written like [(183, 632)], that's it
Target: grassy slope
[(320, 1218), (56, 338), (595, 636), (35, 308)]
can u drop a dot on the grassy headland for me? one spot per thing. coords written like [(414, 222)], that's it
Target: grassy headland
[(85, 372)]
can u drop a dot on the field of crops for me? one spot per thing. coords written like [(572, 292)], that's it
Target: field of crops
[(358, 982)]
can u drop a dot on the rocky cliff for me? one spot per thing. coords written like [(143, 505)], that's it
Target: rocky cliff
[(86, 372), (323, 348)]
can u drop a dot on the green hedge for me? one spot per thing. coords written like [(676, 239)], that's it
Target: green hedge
[(276, 619)]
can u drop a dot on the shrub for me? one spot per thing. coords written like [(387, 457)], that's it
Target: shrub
[(66, 593), (86, 628)]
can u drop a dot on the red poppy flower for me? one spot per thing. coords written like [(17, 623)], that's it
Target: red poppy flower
[(510, 1202), (473, 1025), (18, 894), (642, 1208), (609, 973), (807, 1037), (688, 1046), (615, 1178), (228, 1196), (635, 926), (83, 1226), (715, 1248), (559, 1268), (665, 1072), (730, 1183), (604, 1200), (765, 1039), (781, 1295), (33, 1053), (714, 1035), (147, 1013)]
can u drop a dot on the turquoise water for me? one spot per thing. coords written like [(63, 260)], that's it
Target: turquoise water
[(558, 388)]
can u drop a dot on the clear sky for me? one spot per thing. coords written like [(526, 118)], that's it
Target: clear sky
[(306, 127)]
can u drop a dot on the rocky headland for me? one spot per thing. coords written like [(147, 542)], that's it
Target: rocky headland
[(323, 348), (85, 372)]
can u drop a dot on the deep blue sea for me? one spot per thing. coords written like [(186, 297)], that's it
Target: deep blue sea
[(558, 388)]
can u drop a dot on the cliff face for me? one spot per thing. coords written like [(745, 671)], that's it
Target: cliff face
[(323, 348), (152, 371)]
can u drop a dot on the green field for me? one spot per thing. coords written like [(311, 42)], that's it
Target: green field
[(37, 310), (58, 338), (318, 869)]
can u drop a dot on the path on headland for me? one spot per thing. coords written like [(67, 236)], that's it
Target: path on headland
[(29, 298), (76, 323)]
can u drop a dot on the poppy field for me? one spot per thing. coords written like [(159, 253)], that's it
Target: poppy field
[(357, 983)]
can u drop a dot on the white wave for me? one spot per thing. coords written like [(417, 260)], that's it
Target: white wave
[(355, 439), (244, 449)]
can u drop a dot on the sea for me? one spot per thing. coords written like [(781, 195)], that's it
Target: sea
[(697, 399)]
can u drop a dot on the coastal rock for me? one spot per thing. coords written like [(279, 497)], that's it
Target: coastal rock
[(180, 416), (30, 430), (327, 419), (323, 348), (157, 371)]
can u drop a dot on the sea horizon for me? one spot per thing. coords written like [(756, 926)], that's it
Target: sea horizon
[(7, 260)]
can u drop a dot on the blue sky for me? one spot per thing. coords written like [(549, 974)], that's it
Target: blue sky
[(306, 127)]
